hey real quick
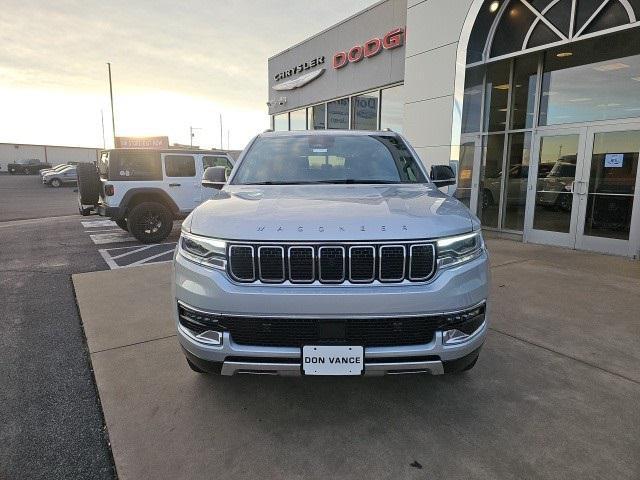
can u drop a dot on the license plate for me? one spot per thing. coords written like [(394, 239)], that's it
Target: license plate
[(332, 360)]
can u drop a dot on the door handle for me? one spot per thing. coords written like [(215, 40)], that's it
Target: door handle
[(174, 184), (582, 188)]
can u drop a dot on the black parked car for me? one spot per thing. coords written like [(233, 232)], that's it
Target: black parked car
[(27, 167)]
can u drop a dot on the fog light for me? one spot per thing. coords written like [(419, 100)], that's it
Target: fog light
[(211, 337), (452, 337)]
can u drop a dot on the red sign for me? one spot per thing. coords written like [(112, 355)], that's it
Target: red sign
[(152, 143), (370, 48)]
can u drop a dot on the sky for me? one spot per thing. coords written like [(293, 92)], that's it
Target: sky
[(174, 65)]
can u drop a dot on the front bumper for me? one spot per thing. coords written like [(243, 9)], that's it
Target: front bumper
[(451, 290)]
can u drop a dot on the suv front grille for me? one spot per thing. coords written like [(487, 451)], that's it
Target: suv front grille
[(301, 264), (298, 332), (271, 264), (332, 263)]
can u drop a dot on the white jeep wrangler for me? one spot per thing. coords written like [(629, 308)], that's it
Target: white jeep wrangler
[(144, 191)]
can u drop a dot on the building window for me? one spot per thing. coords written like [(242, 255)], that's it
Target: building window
[(490, 190), (472, 103), (392, 108), (465, 172), (316, 116), (338, 114), (598, 81), (525, 76), (364, 111), (520, 26), (298, 120), (496, 97), (517, 173), (281, 122)]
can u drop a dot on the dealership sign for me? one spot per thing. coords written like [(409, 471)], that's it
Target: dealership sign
[(302, 67), (142, 142), (370, 48), (301, 81)]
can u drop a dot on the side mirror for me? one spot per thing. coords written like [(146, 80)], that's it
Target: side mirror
[(214, 177), (442, 175)]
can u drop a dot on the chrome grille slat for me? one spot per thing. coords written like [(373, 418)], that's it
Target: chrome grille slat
[(352, 262)]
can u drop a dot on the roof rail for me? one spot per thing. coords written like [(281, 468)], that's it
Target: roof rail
[(268, 130)]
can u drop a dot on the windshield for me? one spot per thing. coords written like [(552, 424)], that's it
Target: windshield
[(308, 159)]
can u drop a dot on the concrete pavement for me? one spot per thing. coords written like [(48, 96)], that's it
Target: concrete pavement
[(554, 394)]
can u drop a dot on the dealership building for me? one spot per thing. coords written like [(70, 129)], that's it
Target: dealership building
[(535, 103)]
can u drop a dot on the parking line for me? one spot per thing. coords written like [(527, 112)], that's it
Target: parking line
[(108, 260), (114, 237), (145, 260), (133, 251), (98, 223), (111, 255)]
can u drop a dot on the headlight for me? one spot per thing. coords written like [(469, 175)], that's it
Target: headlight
[(209, 252), (459, 249)]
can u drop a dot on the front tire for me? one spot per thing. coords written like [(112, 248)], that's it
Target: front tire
[(55, 183), (150, 222), (122, 223)]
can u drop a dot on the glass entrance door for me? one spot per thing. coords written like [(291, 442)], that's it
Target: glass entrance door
[(583, 189), (553, 194), (608, 216)]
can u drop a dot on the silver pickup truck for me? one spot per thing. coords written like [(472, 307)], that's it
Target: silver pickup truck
[(330, 253)]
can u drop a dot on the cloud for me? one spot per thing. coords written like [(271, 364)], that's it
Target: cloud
[(214, 50)]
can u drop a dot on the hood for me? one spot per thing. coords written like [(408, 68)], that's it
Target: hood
[(329, 213)]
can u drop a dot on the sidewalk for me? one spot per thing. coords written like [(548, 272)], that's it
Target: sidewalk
[(562, 356)]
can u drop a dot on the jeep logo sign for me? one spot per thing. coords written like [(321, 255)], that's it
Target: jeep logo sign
[(370, 48)]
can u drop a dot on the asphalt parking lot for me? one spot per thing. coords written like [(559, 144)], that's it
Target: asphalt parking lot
[(23, 197), (51, 423), (94, 384)]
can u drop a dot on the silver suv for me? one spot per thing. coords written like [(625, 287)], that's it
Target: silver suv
[(330, 253)]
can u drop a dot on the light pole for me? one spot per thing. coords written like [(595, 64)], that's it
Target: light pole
[(113, 116), (104, 142), (192, 134), (221, 146)]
